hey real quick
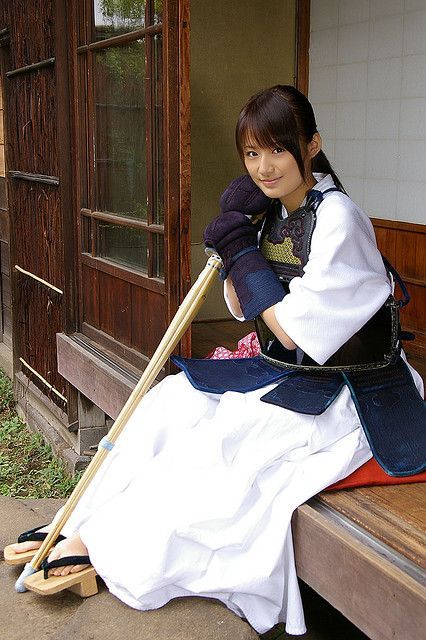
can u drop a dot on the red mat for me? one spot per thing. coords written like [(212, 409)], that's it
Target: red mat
[(371, 473)]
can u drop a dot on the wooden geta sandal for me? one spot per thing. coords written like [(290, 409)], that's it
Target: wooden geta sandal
[(82, 583), (32, 535)]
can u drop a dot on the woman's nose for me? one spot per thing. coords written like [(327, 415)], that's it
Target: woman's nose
[(265, 166)]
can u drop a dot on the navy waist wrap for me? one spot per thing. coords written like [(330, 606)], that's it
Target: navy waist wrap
[(391, 410)]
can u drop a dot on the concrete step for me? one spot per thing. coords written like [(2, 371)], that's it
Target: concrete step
[(68, 617), (103, 616), (26, 615)]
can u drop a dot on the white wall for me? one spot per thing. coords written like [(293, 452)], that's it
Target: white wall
[(368, 88)]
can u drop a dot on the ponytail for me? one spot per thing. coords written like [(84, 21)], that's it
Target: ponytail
[(321, 164)]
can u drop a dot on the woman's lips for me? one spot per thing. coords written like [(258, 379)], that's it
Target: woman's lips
[(270, 183)]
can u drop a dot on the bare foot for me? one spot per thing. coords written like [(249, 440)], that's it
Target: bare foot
[(22, 547), (72, 546)]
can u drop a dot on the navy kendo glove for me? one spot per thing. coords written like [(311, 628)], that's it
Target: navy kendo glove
[(234, 238), (231, 236), (244, 195)]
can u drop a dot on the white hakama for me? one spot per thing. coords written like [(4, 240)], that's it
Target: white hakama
[(197, 496)]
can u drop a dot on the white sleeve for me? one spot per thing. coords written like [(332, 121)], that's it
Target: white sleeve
[(343, 285)]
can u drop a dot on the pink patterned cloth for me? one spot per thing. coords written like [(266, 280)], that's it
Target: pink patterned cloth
[(248, 347)]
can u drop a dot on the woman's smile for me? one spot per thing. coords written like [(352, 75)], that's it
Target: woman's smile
[(277, 173), (270, 182)]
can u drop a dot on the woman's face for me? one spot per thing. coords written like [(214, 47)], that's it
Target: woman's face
[(276, 172)]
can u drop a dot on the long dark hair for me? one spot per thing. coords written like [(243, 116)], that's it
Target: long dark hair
[(282, 117)]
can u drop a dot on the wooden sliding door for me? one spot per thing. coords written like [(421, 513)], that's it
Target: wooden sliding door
[(129, 135)]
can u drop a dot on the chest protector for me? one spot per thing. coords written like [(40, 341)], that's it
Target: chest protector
[(286, 244)]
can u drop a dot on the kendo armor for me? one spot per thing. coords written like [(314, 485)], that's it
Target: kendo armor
[(286, 244), (369, 364)]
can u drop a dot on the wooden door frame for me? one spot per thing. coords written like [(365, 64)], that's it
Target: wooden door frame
[(301, 67), (65, 77), (184, 164)]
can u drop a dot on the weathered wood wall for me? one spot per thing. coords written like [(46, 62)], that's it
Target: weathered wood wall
[(5, 313), (34, 199)]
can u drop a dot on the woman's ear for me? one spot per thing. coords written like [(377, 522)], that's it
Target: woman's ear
[(314, 146)]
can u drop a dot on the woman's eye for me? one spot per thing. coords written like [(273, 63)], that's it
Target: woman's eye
[(251, 154), (278, 150)]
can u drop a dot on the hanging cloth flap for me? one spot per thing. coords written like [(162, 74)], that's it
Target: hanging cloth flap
[(393, 415), (238, 374), (306, 392)]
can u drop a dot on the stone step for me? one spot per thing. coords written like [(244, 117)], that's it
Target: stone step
[(17, 516), (26, 615)]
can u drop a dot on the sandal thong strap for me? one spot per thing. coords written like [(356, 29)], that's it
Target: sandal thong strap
[(35, 535), (63, 562)]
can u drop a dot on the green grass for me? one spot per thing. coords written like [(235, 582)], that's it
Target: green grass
[(27, 467)]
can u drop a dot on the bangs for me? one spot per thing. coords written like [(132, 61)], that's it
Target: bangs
[(256, 134), (267, 121)]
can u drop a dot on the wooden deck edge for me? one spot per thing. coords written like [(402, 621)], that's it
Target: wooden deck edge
[(103, 384), (381, 592)]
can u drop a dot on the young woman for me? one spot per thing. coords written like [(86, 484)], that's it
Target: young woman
[(196, 497)]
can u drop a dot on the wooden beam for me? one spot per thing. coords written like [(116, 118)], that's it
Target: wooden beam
[(65, 80), (393, 514), (380, 592), (106, 386), (398, 226), (30, 67), (185, 160), (34, 177), (122, 39)]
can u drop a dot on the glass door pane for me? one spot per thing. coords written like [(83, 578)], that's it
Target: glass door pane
[(157, 119), (114, 17), (123, 245), (120, 147)]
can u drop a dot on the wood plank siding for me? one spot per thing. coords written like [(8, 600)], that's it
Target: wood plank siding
[(36, 229), (5, 288)]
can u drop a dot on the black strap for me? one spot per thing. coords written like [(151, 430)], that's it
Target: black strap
[(330, 189), (315, 197), (389, 267), (63, 562), (27, 535), (35, 535)]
